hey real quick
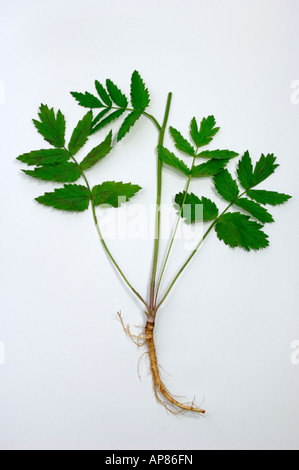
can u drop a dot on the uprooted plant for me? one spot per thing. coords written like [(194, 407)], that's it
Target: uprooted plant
[(242, 228)]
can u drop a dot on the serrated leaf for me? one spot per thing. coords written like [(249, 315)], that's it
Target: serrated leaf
[(128, 123), (205, 134), (237, 230), (257, 211), (139, 93), (71, 197), (97, 153), (181, 143), (100, 116), (80, 133), (196, 209), (60, 172), (116, 95), (113, 193), (226, 186), (170, 159), (112, 117), (87, 100), (218, 154), (103, 94), (264, 168), (51, 127), (245, 171), (268, 197), (45, 157), (211, 168)]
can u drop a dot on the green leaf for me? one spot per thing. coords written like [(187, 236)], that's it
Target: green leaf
[(181, 143), (45, 157), (264, 168), (140, 98), (116, 114), (113, 193), (205, 134), (170, 159), (226, 186), (218, 154), (257, 211), (103, 94), (71, 197), (80, 133), (116, 95), (51, 127), (97, 153), (237, 230), (128, 123), (245, 171), (196, 209), (211, 168), (268, 197), (99, 116), (61, 172), (87, 100)]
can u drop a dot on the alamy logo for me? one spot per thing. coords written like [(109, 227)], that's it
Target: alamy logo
[(295, 353), (2, 353), (295, 94)]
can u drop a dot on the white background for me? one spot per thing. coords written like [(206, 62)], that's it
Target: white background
[(225, 334)]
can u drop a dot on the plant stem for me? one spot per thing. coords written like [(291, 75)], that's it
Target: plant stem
[(176, 228), (108, 252), (158, 206), (196, 250), (149, 116)]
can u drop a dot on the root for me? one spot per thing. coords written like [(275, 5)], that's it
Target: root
[(163, 396)]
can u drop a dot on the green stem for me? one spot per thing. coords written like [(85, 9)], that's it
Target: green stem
[(176, 228), (108, 252), (149, 116), (196, 250), (158, 206)]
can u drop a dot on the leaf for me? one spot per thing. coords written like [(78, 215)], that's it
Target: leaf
[(196, 209), (113, 193), (128, 123), (218, 154), (226, 186), (211, 168), (71, 197), (140, 98), (237, 230), (116, 95), (45, 157), (205, 134), (264, 168), (51, 127), (181, 143), (268, 197), (87, 100), (97, 153), (103, 94), (61, 172), (80, 133), (255, 210), (245, 171), (107, 120), (170, 159), (99, 116)]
